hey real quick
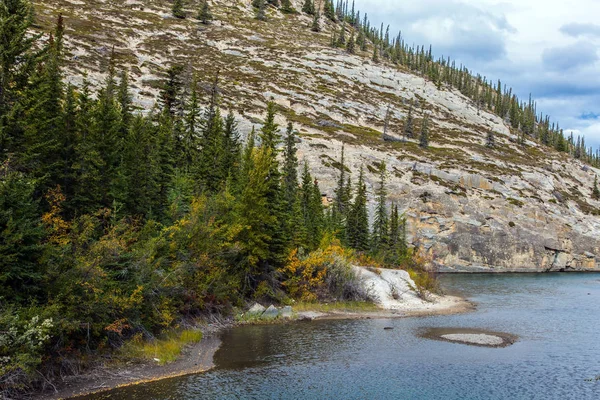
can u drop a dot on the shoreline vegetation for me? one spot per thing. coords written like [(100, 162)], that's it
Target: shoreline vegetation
[(197, 357)]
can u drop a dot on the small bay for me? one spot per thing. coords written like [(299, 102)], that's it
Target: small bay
[(556, 318)]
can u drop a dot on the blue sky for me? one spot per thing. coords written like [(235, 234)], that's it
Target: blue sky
[(548, 48)]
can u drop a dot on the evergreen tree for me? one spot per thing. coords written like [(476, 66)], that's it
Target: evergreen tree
[(177, 9), (290, 169), (408, 130), (342, 36), (424, 136), (261, 10), (190, 141), (341, 206), (308, 7), (316, 25), (20, 236), (142, 169), (596, 191), (204, 14), (381, 222), (18, 60), (350, 44), (328, 10), (491, 139), (286, 7), (375, 58), (311, 210), (358, 219), (270, 139), (231, 148)]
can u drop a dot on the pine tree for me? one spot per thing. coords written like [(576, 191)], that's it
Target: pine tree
[(596, 191), (204, 14), (381, 222), (358, 218), (424, 136), (177, 9), (308, 7)]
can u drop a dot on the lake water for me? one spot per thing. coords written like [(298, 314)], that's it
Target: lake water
[(556, 317)]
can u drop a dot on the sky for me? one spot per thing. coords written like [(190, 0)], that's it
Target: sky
[(548, 48)]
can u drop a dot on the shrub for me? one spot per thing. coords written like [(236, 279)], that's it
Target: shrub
[(23, 341), (324, 274)]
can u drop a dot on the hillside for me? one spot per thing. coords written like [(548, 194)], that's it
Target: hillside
[(471, 207)]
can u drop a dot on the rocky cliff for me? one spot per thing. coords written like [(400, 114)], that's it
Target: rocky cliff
[(471, 208)]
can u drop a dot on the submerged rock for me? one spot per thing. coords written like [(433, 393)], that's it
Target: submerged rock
[(473, 337)]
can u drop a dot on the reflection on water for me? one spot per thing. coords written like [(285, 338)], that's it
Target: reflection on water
[(555, 317)]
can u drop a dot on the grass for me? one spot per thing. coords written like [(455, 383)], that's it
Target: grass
[(348, 306), (165, 350)]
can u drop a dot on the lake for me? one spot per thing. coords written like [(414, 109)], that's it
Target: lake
[(555, 316)]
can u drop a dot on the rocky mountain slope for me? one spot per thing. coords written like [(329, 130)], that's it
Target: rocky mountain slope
[(471, 208)]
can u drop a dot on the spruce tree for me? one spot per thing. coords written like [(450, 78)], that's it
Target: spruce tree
[(424, 136), (290, 168), (381, 222), (18, 60), (177, 9), (358, 218), (341, 206), (595, 190), (270, 139), (204, 14), (20, 236), (308, 7), (231, 148)]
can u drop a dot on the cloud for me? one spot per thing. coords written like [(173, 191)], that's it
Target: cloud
[(576, 29), (455, 28), (569, 57), (555, 61)]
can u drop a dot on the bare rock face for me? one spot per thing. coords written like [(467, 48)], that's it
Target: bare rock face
[(469, 208)]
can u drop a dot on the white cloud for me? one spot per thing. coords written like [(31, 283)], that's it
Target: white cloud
[(547, 48)]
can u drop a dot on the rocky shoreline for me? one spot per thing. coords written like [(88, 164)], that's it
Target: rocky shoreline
[(399, 302)]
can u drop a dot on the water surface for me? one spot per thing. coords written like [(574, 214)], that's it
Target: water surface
[(556, 317)]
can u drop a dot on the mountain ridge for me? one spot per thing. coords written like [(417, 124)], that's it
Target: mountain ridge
[(470, 207)]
